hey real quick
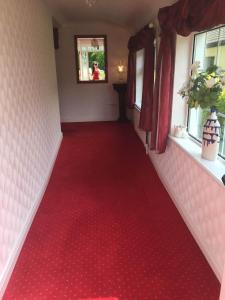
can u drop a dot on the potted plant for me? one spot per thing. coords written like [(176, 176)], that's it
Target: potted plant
[(206, 89)]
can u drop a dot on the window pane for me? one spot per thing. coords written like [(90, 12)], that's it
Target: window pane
[(139, 76), (197, 118), (209, 49), (221, 49), (199, 49)]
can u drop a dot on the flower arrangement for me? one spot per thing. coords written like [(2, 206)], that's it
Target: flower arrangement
[(205, 89)]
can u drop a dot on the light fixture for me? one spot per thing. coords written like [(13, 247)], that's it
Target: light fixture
[(121, 71), (120, 68), (90, 3)]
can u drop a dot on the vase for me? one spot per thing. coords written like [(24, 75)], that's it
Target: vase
[(211, 137)]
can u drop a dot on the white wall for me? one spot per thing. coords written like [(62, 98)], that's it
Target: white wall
[(183, 63), (198, 196), (29, 120), (89, 102)]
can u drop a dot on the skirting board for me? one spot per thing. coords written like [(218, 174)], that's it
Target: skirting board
[(7, 272), (183, 214)]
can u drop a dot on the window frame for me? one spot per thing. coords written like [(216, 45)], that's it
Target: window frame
[(135, 104), (192, 60)]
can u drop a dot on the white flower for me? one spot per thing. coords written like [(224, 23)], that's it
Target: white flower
[(210, 83), (195, 67)]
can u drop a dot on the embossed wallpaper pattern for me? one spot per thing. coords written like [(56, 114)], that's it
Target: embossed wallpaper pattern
[(29, 117)]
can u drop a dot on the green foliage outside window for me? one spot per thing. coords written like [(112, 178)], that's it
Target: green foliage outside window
[(98, 57)]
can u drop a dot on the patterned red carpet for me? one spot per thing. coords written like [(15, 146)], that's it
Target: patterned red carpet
[(107, 229)]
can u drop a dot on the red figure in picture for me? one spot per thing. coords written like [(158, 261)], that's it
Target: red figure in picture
[(95, 71)]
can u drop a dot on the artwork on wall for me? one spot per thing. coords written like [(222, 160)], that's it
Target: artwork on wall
[(91, 58)]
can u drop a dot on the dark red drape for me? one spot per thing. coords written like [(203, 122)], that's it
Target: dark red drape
[(184, 17), (142, 40), (162, 103)]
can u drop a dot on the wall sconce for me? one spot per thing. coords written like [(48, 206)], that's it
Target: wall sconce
[(121, 71), (120, 68)]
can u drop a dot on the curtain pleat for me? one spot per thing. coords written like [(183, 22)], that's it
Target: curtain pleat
[(144, 39)]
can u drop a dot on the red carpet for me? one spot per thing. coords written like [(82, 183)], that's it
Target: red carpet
[(106, 228)]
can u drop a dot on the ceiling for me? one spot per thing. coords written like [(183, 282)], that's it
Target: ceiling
[(129, 13)]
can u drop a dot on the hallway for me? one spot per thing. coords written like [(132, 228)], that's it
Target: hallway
[(107, 228)]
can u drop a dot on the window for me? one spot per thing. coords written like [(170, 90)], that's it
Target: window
[(91, 58), (209, 49), (139, 76)]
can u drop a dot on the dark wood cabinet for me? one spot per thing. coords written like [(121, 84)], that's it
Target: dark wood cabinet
[(121, 89)]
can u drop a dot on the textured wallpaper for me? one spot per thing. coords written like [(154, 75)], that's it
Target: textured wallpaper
[(199, 198), (29, 117)]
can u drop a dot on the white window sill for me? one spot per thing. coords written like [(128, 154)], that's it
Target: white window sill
[(214, 168)]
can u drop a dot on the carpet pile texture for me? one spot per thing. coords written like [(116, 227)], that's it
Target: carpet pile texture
[(106, 228)]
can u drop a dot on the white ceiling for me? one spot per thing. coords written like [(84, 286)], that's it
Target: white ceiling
[(129, 13)]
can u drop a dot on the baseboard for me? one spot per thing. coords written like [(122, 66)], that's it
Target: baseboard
[(77, 120), (183, 214), (4, 279), (142, 138)]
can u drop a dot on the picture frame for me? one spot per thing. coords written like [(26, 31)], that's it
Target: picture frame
[(91, 58)]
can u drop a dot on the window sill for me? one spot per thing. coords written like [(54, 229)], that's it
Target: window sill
[(193, 149)]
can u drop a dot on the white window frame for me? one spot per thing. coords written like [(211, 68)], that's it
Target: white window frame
[(197, 114), (140, 56)]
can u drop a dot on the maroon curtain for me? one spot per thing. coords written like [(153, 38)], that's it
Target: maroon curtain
[(184, 17), (143, 39), (148, 84), (162, 103)]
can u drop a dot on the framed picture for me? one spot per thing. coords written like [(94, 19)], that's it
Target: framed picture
[(91, 58)]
